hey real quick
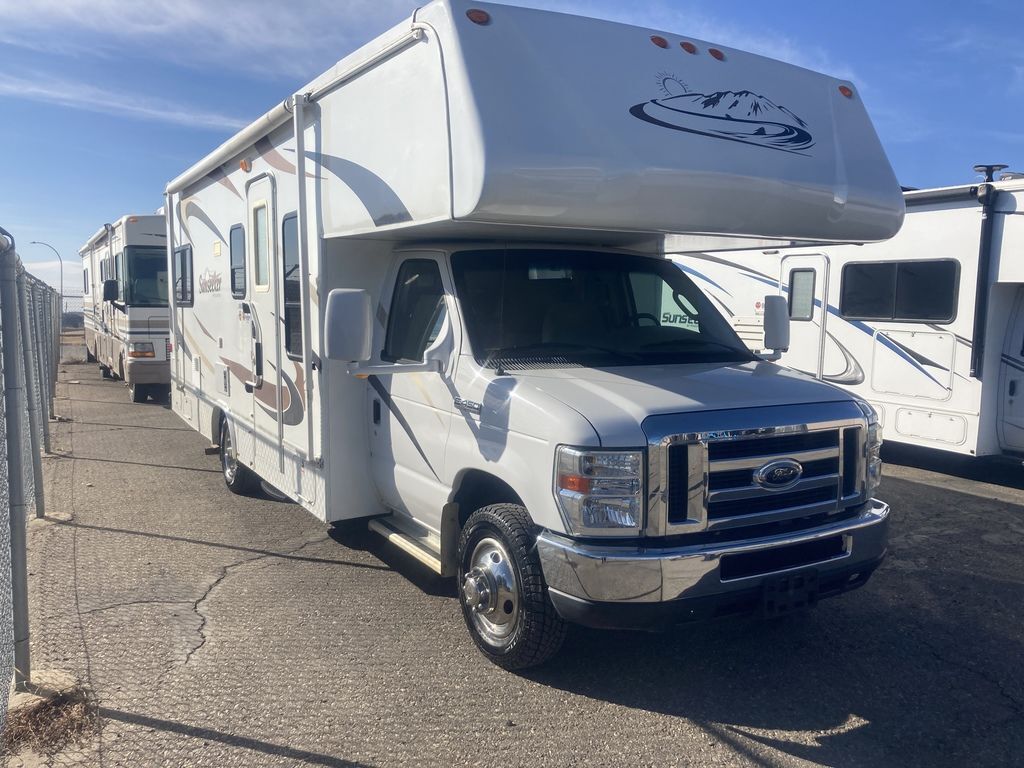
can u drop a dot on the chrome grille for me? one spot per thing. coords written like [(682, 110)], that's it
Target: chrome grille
[(704, 481)]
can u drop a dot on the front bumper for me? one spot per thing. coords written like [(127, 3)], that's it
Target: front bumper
[(641, 587)]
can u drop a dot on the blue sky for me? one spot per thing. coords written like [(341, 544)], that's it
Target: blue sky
[(102, 102)]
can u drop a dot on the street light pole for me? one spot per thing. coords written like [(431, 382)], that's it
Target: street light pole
[(60, 319)]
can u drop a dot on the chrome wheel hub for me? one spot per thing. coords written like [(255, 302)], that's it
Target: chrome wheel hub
[(491, 592), (228, 455)]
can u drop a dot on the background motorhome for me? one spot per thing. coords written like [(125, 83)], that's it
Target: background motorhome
[(127, 331), (381, 299), (928, 326)]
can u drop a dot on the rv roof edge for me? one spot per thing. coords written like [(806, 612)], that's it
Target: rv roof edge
[(945, 194)]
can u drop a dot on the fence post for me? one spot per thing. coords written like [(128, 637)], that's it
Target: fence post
[(34, 392), (40, 369), (14, 391)]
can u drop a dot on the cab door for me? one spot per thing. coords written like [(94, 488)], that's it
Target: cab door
[(1011, 380), (410, 413), (261, 314), (804, 281)]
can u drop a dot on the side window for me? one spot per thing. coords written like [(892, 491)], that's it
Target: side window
[(801, 294), (417, 311), (85, 282), (236, 248), (183, 276), (292, 286), (261, 247), (904, 291)]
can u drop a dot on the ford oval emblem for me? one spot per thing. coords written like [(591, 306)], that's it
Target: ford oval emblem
[(778, 475)]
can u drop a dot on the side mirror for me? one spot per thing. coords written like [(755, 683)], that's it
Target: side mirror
[(110, 290), (776, 325), (348, 325)]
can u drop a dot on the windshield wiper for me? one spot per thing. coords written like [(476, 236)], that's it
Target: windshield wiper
[(554, 349)]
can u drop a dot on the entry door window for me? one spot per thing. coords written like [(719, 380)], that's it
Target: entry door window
[(261, 247), (417, 311), (801, 294)]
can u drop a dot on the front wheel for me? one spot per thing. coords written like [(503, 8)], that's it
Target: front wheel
[(138, 393), (238, 479), (502, 591)]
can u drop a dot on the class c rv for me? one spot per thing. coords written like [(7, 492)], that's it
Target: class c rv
[(928, 327), (124, 300), (427, 294)]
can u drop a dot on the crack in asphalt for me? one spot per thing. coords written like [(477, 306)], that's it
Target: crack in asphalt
[(1015, 705), (128, 603), (224, 572)]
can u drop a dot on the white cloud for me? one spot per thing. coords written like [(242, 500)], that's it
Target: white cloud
[(77, 95), (265, 36)]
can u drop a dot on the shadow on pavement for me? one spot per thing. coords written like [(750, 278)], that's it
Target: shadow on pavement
[(987, 469), (209, 734)]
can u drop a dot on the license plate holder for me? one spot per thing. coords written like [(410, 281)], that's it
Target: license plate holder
[(789, 593)]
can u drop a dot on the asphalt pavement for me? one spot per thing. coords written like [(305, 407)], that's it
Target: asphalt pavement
[(218, 630)]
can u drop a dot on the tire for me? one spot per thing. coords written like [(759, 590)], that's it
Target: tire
[(138, 392), (105, 371), (238, 479), (502, 591), (89, 356)]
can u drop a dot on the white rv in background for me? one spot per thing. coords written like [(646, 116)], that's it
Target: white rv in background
[(124, 276), (426, 294), (928, 326)]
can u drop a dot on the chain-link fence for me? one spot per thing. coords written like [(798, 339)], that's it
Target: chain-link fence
[(30, 315)]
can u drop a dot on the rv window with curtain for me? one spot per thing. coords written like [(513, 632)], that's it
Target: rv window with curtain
[(183, 276), (261, 247), (417, 311), (801, 294), (900, 291), (292, 286), (236, 248)]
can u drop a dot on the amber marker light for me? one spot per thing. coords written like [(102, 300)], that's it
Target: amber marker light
[(659, 41), (245, 164), (846, 90), (687, 46), (716, 54), (477, 16)]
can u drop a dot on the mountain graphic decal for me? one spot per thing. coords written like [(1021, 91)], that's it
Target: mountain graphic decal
[(741, 116)]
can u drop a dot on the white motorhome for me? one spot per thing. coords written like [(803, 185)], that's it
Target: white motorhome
[(928, 326), (124, 299), (426, 293)]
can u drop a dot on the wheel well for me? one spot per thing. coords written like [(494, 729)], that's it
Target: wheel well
[(478, 489)]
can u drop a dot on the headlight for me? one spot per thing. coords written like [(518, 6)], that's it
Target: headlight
[(600, 492), (872, 449), (140, 349)]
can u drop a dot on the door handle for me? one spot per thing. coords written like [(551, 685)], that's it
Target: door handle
[(376, 411), (1013, 387)]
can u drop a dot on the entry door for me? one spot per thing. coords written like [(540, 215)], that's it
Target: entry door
[(804, 281), (410, 413), (1011, 380), (263, 254)]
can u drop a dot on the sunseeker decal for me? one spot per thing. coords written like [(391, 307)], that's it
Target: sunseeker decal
[(741, 116), (210, 281)]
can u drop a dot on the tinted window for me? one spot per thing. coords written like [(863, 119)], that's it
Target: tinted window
[(292, 285), (558, 307), (119, 275), (801, 294), (85, 281), (909, 291), (183, 276), (237, 259), (417, 311), (146, 276)]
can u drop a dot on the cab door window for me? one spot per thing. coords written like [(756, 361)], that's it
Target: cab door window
[(417, 311)]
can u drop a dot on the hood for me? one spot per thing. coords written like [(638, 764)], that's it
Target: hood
[(617, 400)]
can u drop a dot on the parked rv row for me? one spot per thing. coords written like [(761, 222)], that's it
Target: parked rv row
[(429, 294)]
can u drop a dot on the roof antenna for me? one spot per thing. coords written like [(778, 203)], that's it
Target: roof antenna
[(989, 171)]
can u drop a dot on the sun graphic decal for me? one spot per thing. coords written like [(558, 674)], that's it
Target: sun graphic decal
[(670, 85)]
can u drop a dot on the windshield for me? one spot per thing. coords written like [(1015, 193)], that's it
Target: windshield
[(537, 307), (147, 277)]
